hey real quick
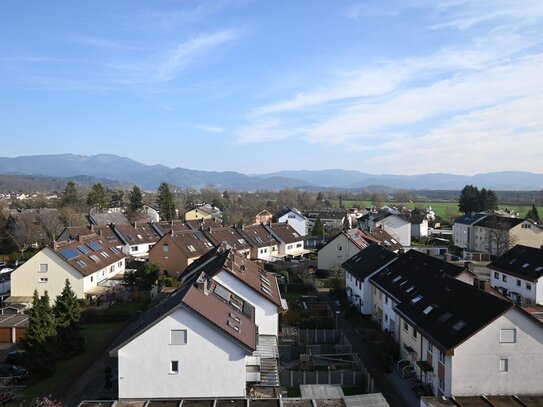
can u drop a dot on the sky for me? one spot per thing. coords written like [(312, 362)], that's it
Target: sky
[(384, 86)]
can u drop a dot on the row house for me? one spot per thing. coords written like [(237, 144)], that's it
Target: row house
[(214, 337), (91, 264), (291, 243), (461, 341), (342, 247), (397, 226), (204, 212), (264, 246), (331, 219), (518, 274)]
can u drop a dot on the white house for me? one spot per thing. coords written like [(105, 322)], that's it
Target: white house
[(291, 243), (518, 274), (359, 268), (454, 350), (341, 248), (294, 218), (419, 225), (263, 245), (192, 344), (464, 230), (397, 226), (87, 263)]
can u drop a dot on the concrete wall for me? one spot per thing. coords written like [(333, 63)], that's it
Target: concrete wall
[(210, 364)]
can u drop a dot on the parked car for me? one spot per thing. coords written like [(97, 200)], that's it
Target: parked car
[(12, 372), (5, 270), (15, 357)]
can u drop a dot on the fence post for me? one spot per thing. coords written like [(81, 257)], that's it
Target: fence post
[(329, 375), (291, 378), (303, 376)]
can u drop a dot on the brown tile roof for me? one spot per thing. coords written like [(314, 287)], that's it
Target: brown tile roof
[(147, 231), (257, 235), (228, 235), (133, 236), (88, 254), (101, 230), (192, 243), (165, 227), (383, 238), (202, 224), (285, 232)]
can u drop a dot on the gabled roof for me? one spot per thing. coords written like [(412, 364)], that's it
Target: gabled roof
[(383, 238), (246, 271), (132, 236), (230, 236), (417, 218), (283, 212), (445, 310), (326, 214), (206, 304), (75, 232), (192, 243), (356, 236), (166, 227), (107, 218), (257, 236), (470, 218), (368, 261), (520, 261), (88, 254), (202, 224), (146, 230), (284, 233), (499, 222)]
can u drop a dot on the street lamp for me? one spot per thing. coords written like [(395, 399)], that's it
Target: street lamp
[(337, 315)]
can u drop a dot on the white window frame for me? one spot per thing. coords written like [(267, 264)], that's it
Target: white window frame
[(41, 268), (504, 365), (43, 280), (174, 367)]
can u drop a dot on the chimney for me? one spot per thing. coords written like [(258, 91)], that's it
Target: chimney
[(92, 227), (80, 238), (401, 251), (201, 283), (468, 265)]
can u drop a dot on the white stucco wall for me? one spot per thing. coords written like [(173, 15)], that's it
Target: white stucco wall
[(476, 362), (299, 223), (266, 315), (210, 364), (398, 228), (330, 257), (26, 278), (496, 281), (461, 235)]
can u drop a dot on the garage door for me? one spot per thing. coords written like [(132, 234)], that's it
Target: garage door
[(5, 335), (20, 333)]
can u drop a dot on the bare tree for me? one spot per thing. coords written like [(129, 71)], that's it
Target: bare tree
[(24, 231), (51, 224)]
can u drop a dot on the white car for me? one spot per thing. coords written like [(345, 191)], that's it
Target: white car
[(6, 270)]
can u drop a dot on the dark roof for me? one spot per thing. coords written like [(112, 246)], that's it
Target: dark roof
[(469, 218), (369, 260), (284, 233), (75, 232), (499, 222), (283, 212), (207, 305), (203, 224), (107, 218), (417, 218), (192, 243), (257, 236), (165, 227), (520, 261), (326, 214), (133, 236), (230, 236), (446, 311), (383, 238)]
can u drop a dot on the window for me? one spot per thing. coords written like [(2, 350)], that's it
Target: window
[(92, 278), (386, 317), (339, 248), (405, 326), (504, 278), (430, 347), (442, 357), (289, 247), (120, 264), (528, 286), (165, 247), (518, 282), (386, 299), (43, 280), (504, 365), (496, 275), (414, 333), (178, 337), (134, 248), (43, 268), (441, 385), (191, 248), (508, 335), (174, 367)]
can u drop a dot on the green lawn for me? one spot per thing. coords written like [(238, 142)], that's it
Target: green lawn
[(294, 392), (353, 391), (98, 337)]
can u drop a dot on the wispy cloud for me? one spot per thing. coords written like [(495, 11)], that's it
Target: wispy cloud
[(189, 52), (267, 130), (209, 129)]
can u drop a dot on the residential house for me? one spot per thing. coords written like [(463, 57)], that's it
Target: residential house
[(137, 239), (263, 245), (107, 218), (359, 268), (89, 263), (291, 243), (170, 227), (263, 217), (204, 212), (203, 224), (231, 237), (332, 219), (464, 230), (151, 213), (174, 253), (342, 247), (419, 225), (518, 274), (104, 231), (294, 218), (455, 350), (397, 226), (495, 235), (383, 238)]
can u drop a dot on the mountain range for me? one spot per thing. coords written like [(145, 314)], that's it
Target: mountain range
[(125, 170)]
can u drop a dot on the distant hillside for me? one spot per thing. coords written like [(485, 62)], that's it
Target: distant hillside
[(125, 170), (27, 183)]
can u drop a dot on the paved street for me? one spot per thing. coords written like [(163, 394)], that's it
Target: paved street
[(396, 391)]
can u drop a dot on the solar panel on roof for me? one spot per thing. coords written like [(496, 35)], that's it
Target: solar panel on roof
[(114, 250), (111, 238), (94, 245), (83, 249), (222, 292), (69, 253)]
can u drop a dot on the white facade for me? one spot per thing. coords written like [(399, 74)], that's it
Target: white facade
[(503, 358), (338, 250), (267, 253), (419, 230), (463, 235), (47, 271), (209, 364), (397, 227), (522, 291), (297, 221), (266, 315)]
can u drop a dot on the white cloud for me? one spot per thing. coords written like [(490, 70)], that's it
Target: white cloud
[(268, 130), (187, 53)]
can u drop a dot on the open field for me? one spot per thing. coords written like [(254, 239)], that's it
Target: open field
[(444, 210)]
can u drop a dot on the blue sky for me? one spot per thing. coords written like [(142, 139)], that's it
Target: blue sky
[(403, 87)]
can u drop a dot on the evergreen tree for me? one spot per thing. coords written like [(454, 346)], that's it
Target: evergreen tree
[(39, 341), (67, 315), (70, 195), (97, 197), (533, 214), (135, 199), (487, 200), (469, 199), (165, 202), (318, 229)]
